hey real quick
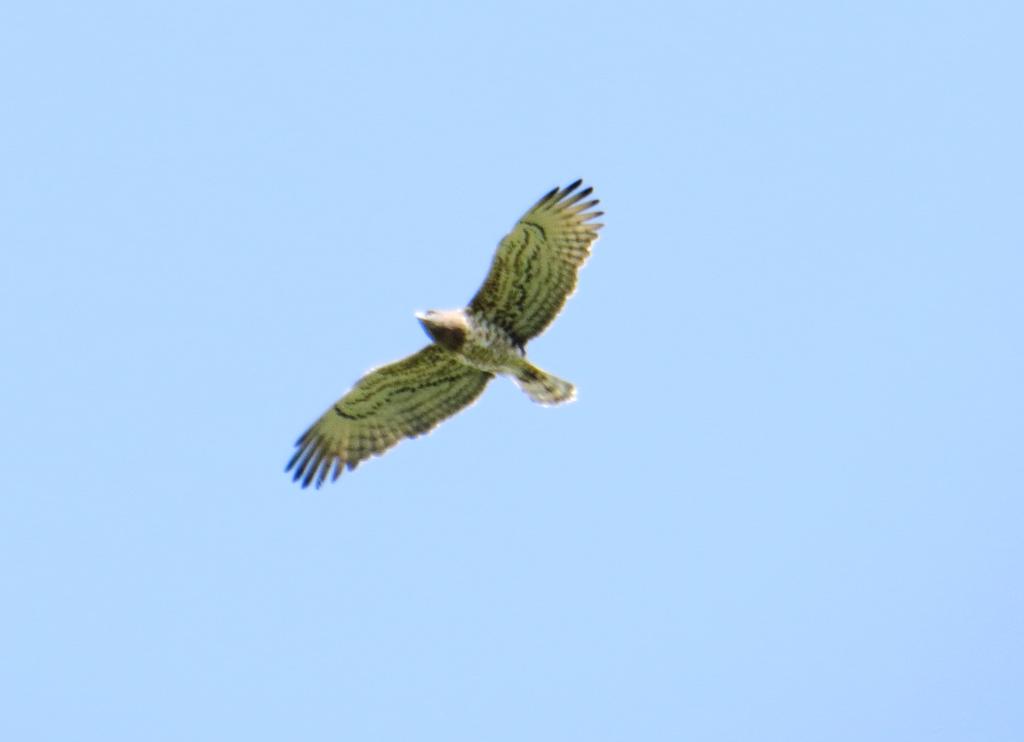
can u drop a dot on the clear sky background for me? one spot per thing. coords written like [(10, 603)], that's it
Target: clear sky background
[(786, 505)]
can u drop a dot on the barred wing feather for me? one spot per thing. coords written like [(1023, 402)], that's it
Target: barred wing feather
[(401, 400), (534, 269)]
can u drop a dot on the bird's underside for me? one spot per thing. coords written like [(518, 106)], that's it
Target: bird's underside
[(532, 275)]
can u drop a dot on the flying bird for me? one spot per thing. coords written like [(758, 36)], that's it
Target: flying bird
[(532, 274)]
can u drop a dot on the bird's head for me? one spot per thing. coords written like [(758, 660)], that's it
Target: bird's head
[(446, 328)]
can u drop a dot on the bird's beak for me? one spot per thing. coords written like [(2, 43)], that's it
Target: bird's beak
[(425, 322)]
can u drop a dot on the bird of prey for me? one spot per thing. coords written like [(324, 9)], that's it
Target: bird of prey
[(532, 275)]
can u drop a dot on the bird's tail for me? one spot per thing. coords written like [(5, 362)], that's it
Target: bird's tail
[(543, 387)]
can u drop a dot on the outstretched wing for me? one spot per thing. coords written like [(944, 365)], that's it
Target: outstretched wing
[(400, 400), (534, 269)]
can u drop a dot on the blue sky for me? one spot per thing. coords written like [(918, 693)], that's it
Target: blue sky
[(786, 505)]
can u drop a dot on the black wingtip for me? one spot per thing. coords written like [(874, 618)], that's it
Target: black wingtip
[(312, 466)]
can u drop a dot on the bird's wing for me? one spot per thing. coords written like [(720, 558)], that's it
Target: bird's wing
[(400, 400), (534, 269)]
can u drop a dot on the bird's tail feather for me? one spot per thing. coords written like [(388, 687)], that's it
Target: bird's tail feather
[(542, 387)]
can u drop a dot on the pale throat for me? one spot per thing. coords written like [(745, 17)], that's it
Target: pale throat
[(447, 328)]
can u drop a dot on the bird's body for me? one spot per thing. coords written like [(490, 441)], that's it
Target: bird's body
[(533, 273), (485, 346), (473, 339)]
